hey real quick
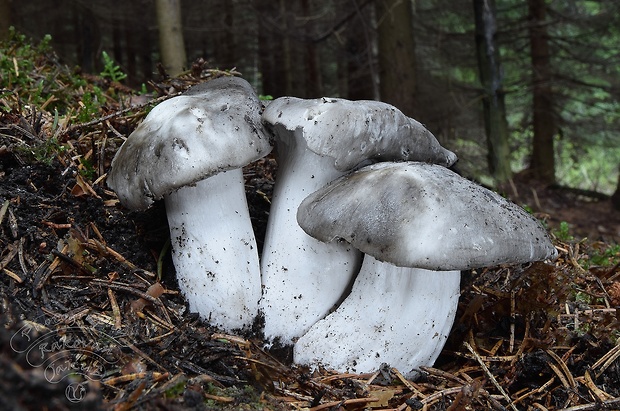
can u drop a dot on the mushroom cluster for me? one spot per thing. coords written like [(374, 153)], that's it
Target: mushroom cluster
[(317, 141), (367, 234)]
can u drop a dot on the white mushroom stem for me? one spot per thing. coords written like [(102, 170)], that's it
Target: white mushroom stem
[(395, 315), (303, 278), (214, 250)]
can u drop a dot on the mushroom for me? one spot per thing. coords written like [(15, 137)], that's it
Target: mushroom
[(189, 150), (317, 141), (419, 226)]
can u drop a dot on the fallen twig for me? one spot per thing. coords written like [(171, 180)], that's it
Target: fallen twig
[(491, 376), (353, 401)]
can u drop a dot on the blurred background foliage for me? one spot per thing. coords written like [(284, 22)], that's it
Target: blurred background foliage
[(558, 55)]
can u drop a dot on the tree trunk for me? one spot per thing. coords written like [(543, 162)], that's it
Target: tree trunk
[(171, 44), (270, 50), (357, 63), (314, 84), (117, 46), (287, 58), (131, 53), (5, 18), (396, 54), (88, 35), (224, 52), (542, 164), (493, 99), (146, 57)]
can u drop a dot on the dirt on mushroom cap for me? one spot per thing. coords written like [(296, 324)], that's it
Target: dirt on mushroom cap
[(355, 131), (426, 216), (213, 127)]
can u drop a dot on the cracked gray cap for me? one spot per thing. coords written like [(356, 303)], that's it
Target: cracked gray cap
[(354, 132), (212, 127), (421, 215)]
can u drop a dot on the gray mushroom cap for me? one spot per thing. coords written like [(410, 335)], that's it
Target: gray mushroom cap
[(212, 127), (354, 132), (421, 215)]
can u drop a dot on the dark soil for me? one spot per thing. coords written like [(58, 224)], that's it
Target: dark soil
[(76, 256), (58, 243)]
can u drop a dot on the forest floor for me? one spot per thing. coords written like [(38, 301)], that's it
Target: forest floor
[(92, 318), (588, 215)]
